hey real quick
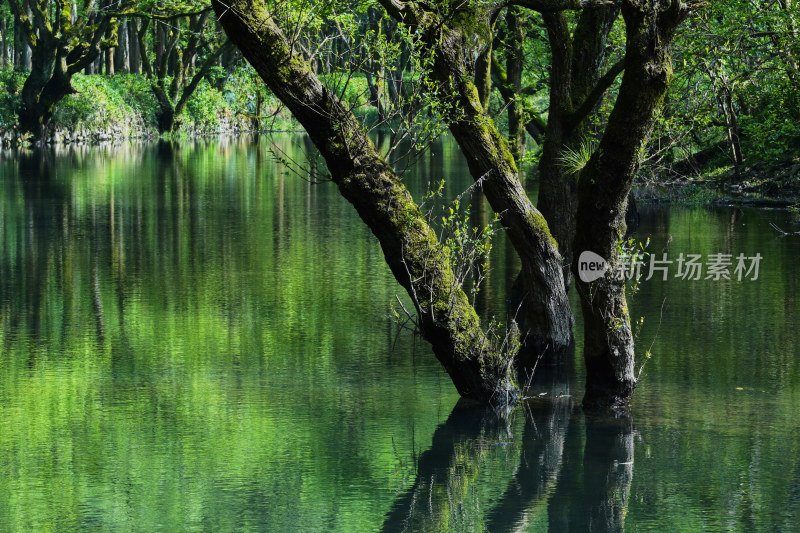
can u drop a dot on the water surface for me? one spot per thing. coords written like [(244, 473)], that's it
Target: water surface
[(194, 337)]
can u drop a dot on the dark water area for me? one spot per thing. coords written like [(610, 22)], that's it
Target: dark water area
[(194, 337)]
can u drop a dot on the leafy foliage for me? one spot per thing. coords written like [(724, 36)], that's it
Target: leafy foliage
[(10, 85)]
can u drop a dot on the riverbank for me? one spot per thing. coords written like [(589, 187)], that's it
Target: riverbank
[(760, 185), (123, 107)]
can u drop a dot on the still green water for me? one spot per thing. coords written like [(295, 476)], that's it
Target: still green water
[(193, 338)]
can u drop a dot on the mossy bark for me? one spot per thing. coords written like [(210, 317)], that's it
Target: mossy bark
[(577, 61), (515, 60), (602, 196), (417, 260), (548, 317)]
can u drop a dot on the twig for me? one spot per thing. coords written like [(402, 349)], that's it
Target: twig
[(783, 233)]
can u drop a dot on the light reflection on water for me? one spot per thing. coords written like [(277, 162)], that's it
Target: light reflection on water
[(194, 339)]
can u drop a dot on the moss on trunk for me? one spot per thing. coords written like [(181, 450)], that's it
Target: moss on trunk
[(602, 198), (548, 319)]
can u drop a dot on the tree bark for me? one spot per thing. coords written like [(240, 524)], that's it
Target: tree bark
[(121, 52), (602, 195), (108, 60), (133, 47), (3, 41), (22, 46), (483, 75), (417, 260), (515, 63), (577, 60), (548, 319)]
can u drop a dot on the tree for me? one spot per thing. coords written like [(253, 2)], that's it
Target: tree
[(63, 42), (577, 83), (181, 39), (603, 189), (736, 96), (447, 31), (477, 363)]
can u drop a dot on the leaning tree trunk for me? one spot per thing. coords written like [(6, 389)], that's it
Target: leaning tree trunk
[(417, 260), (602, 195), (548, 319)]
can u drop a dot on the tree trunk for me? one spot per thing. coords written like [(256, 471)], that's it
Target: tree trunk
[(23, 49), (417, 260), (42, 90), (533, 124), (133, 47), (603, 189), (56, 57), (159, 43), (375, 96), (121, 57), (577, 59), (515, 62), (165, 116), (108, 57), (3, 41), (732, 129), (548, 319), (483, 75)]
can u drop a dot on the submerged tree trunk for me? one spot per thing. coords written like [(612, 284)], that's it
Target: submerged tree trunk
[(548, 319), (602, 196), (417, 260)]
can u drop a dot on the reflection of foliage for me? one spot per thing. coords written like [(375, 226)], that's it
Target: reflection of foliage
[(228, 340), (205, 370)]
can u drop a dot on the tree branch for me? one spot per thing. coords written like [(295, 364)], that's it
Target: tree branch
[(155, 16), (535, 125), (395, 8), (597, 93), (551, 6)]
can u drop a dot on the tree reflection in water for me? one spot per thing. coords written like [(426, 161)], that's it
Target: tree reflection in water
[(570, 471)]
